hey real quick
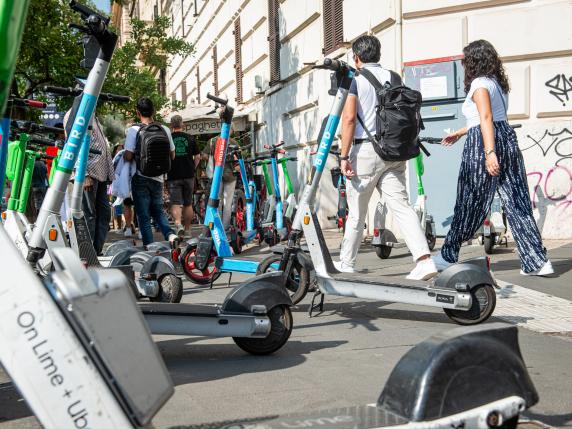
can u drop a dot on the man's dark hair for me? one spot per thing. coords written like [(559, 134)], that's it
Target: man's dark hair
[(367, 48), (145, 107)]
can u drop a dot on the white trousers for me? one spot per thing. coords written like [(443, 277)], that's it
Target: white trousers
[(389, 178), (226, 195)]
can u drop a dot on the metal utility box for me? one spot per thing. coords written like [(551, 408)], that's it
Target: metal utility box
[(440, 81)]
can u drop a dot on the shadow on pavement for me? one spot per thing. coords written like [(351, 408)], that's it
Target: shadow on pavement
[(209, 362), (558, 420), (13, 405), (359, 313)]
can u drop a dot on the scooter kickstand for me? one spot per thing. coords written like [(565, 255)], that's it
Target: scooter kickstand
[(319, 306), (229, 278)]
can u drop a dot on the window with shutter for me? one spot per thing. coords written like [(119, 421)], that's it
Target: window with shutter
[(215, 71), (333, 25), (238, 60), (274, 41)]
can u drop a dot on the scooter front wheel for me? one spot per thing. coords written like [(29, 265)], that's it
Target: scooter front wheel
[(484, 301), (280, 329), (382, 251), (170, 289), (298, 280), (201, 277)]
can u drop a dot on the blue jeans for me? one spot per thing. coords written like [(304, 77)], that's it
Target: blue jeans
[(148, 199)]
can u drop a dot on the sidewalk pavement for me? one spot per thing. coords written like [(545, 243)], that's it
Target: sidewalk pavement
[(344, 356)]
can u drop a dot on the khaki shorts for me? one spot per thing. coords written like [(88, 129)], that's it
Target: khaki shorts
[(181, 191)]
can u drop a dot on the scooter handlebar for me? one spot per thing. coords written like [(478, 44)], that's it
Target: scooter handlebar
[(72, 92), (85, 11), (32, 127), (41, 142), (217, 99), (430, 140)]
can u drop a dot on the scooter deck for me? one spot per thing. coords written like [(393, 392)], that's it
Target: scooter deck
[(375, 278), (357, 417), (236, 264), (168, 309)]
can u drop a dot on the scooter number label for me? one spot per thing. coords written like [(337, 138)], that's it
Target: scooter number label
[(487, 229), (446, 299)]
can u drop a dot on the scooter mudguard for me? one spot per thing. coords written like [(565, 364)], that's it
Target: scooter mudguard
[(203, 252), (123, 256), (116, 247), (472, 272), (385, 238), (456, 371), (265, 289), (158, 247), (159, 266)]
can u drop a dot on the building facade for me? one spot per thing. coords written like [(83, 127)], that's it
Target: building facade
[(259, 53)]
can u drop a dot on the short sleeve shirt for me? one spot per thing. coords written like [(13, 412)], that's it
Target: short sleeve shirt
[(498, 101), (183, 166), (131, 144), (367, 100)]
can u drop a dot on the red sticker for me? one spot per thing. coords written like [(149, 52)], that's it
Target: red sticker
[(220, 150)]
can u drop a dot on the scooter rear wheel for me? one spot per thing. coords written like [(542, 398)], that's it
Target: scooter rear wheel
[(280, 329), (382, 251), (484, 301), (298, 280), (201, 277), (489, 244), (170, 289)]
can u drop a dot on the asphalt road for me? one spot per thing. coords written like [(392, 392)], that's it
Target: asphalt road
[(344, 356)]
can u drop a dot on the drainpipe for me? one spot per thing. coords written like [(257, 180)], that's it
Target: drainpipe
[(399, 34)]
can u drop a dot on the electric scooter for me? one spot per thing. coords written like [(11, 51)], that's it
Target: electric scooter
[(465, 291), (383, 239), (339, 182), (277, 214), (74, 364), (494, 230)]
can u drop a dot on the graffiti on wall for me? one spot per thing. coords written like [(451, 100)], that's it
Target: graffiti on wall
[(548, 158), (560, 87)]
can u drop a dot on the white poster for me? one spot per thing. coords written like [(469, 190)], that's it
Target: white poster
[(434, 87)]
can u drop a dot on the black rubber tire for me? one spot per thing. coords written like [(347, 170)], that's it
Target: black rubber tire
[(170, 289), (484, 303), (200, 280), (431, 240), (511, 423), (382, 251), (489, 244), (236, 244), (298, 281), (280, 329)]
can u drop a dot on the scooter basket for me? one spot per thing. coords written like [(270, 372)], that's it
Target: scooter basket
[(336, 173)]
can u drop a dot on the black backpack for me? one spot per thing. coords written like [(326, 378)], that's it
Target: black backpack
[(153, 150), (397, 119)]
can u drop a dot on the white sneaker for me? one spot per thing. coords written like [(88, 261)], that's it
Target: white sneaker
[(424, 270), (343, 268), (546, 270), (173, 239), (440, 263), (180, 231), (128, 232)]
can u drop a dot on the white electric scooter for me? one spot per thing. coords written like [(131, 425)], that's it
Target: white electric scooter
[(465, 291)]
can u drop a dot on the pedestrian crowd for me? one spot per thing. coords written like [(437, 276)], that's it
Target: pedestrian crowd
[(155, 159)]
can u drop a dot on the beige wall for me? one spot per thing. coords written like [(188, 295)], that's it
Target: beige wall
[(533, 36)]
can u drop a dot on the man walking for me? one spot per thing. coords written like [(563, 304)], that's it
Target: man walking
[(147, 191), (181, 177), (366, 170)]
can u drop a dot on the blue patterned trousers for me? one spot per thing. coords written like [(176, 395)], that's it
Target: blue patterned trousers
[(475, 192)]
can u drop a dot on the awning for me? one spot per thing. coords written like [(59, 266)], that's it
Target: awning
[(197, 119)]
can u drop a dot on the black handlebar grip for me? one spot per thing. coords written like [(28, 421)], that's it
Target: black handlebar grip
[(95, 151), (332, 64), (105, 96), (217, 99), (39, 142), (61, 91), (516, 126), (47, 129), (85, 11), (431, 140)]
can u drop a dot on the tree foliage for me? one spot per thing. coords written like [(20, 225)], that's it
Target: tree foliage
[(50, 55)]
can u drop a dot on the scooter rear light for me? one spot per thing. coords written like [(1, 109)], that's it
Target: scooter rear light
[(376, 232), (343, 194), (3, 215), (175, 255), (488, 263), (487, 222)]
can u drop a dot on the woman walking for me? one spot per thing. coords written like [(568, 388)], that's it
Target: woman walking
[(491, 161)]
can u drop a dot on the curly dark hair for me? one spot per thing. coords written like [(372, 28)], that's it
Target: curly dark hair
[(481, 59)]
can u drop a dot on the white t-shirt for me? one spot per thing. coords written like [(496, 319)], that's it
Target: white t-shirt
[(131, 143), (470, 110), (367, 100)]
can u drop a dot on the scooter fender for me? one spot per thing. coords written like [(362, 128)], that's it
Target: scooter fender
[(158, 265), (472, 272), (457, 371), (265, 289), (123, 256)]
